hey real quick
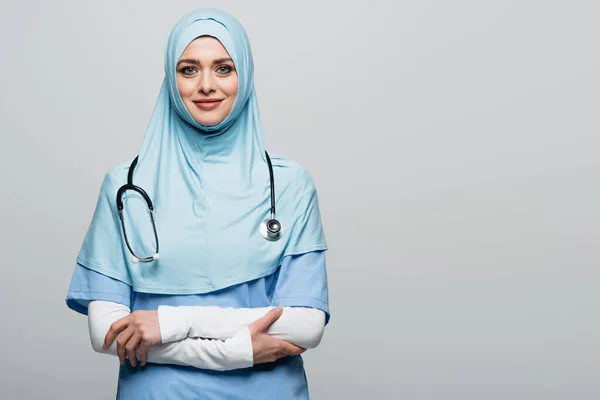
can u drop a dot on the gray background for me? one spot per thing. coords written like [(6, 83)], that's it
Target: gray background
[(454, 146)]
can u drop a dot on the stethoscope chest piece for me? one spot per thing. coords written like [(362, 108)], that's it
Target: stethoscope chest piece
[(270, 229)]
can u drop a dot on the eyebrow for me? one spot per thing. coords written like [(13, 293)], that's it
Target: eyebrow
[(197, 62)]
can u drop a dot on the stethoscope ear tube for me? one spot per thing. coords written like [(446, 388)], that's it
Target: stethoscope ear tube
[(137, 189), (137, 259)]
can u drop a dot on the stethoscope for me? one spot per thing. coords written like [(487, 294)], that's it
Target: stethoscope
[(270, 228)]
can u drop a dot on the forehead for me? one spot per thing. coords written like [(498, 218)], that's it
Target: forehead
[(205, 48)]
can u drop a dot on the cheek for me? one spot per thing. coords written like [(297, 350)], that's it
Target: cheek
[(185, 87), (231, 86)]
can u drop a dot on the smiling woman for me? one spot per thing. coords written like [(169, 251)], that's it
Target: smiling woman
[(222, 313), (207, 80)]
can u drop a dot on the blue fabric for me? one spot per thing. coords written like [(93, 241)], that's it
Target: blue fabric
[(299, 283), (301, 280), (209, 185), (87, 285)]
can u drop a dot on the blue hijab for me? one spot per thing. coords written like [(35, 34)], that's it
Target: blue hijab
[(209, 186)]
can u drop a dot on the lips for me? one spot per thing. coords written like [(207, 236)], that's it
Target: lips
[(207, 104)]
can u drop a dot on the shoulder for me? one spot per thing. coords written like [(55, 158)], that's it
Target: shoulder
[(116, 176), (293, 174)]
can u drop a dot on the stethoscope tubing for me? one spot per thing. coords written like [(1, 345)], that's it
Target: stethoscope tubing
[(270, 228)]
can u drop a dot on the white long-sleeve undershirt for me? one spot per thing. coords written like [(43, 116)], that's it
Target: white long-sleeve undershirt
[(233, 353), (209, 337), (301, 326)]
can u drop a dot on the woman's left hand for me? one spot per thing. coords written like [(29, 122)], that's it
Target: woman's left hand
[(138, 331)]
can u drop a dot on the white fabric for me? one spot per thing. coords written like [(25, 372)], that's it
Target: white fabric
[(232, 353), (298, 325)]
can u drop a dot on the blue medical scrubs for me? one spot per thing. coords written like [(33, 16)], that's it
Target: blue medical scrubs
[(300, 280)]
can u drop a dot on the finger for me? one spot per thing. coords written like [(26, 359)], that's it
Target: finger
[(291, 349), (264, 322), (122, 341), (116, 328), (131, 348), (143, 352)]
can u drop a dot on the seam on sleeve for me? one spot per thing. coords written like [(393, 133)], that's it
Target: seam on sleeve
[(312, 299), (86, 294), (303, 250)]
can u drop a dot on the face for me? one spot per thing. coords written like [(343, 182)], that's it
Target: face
[(207, 80)]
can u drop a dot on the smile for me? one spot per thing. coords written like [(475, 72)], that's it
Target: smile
[(208, 105)]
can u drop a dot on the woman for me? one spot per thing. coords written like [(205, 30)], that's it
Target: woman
[(222, 313)]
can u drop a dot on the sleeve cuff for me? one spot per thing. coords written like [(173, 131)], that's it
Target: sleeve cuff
[(241, 353), (303, 302), (173, 324)]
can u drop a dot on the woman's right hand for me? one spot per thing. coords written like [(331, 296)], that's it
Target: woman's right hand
[(265, 347)]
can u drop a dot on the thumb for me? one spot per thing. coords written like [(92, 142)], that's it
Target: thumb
[(264, 322)]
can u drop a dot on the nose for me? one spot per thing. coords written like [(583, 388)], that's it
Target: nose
[(206, 83)]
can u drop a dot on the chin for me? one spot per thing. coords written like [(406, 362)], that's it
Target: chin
[(207, 120)]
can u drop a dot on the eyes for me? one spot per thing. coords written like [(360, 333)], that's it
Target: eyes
[(222, 70)]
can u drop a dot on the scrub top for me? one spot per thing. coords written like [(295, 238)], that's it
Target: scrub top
[(300, 280)]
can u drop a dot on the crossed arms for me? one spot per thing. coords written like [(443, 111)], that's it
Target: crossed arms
[(205, 337)]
